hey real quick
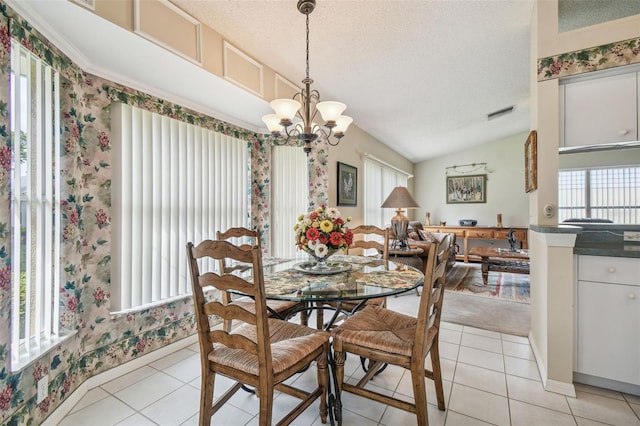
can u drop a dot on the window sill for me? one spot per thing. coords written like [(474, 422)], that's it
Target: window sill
[(36, 354)]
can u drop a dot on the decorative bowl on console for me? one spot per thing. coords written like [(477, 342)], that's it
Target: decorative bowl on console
[(468, 222)]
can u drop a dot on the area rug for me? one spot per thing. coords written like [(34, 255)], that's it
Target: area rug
[(466, 278), (486, 313)]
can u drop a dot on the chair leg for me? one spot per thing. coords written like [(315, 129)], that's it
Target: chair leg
[(266, 406), (206, 398), (420, 395), (437, 373), (319, 318), (304, 317), (339, 358), (323, 381)]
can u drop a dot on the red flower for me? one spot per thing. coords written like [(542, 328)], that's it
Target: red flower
[(348, 237), (335, 238), (323, 238), (314, 216), (313, 234)]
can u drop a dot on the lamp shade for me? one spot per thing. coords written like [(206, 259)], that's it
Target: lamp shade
[(273, 123), (285, 108), (342, 123), (330, 110), (400, 198)]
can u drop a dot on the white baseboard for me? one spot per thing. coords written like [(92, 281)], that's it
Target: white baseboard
[(92, 382), (562, 388), (549, 384)]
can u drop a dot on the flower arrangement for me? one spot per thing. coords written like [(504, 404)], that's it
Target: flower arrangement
[(322, 232)]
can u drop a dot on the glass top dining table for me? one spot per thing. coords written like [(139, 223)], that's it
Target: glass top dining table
[(349, 278)]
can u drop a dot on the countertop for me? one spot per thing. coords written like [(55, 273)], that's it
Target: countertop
[(597, 239)]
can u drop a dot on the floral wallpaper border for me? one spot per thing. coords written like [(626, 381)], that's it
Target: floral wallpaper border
[(597, 58)]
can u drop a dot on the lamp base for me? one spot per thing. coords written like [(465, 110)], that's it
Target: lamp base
[(399, 225)]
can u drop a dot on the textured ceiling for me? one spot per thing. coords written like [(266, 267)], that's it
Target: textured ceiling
[(418, 75)]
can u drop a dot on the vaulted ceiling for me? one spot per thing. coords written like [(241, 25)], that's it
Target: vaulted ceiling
[(418, 75)]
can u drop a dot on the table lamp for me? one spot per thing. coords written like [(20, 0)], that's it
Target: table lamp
[(400, 198)]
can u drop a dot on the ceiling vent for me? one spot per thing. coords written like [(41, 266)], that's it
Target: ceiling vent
[(500, 112)]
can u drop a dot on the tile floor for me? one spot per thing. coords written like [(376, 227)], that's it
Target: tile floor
[(489, 379)]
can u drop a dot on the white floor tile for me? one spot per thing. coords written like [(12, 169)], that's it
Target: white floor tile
[(521, 367), (636, 409), (128, 379), (394, 416), (481, 378), (481, 358), (481, 342), (186, 369), (516, 339), (517, 350), (532, 392), (479, 404), (171, 359), (451, 326), (598, 391), (148, 390), (136, 420), (587, 422), (481, 332), (602, 409), (227, 415), (450, 336), (448, 350), (175, 408), (106, 412), (92, 396), (632, 399), (531, 415), (457, 419)]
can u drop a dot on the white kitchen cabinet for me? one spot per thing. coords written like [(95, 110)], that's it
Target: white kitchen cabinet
[(608, 318), (599, 110)]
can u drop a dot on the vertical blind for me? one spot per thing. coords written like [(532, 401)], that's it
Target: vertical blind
[(289, 195), (173, 183), (35, 197), (379, 181)]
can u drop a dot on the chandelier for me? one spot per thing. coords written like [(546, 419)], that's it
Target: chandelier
[(295, 116)]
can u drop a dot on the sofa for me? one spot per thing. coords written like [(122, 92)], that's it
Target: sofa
[(419, 237)]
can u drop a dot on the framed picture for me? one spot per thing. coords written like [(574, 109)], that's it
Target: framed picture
[(347, 185), (531, 162), (467, 189)]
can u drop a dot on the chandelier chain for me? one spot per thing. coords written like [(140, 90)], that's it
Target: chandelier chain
[(307, 45)]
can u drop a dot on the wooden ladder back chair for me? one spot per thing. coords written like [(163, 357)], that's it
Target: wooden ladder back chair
[(263, 352), (388, 337), (360, 242), (359, 239), (277, 308)]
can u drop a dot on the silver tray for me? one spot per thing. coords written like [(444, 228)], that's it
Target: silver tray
[(331, 268)]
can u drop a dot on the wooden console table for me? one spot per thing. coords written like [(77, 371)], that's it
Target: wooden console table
[(466, 233)]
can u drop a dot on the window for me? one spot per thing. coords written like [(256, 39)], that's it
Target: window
[(173, 182), (290, 197), (379, 181), (611, 193), (35, 197)]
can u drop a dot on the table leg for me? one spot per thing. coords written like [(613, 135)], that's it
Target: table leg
[(485, 270)]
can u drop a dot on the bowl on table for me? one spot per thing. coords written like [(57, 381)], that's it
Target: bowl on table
[(468, 222)]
